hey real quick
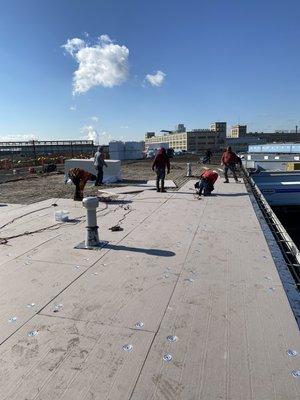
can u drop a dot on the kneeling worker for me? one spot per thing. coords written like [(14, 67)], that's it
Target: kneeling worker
[(206, 183)]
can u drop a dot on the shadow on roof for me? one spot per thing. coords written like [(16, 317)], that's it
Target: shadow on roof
[(151, 252)]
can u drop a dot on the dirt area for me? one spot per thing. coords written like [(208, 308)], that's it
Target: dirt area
[(32, 188)]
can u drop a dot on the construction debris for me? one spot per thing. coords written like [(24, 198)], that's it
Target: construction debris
[(116, 228)]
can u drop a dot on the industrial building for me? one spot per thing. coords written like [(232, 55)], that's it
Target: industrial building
[(180, 128), (240, 139), (195, 141), (238, 131), (220, 128), (215, 138), (241, 144), (279, 137), (176, 141)]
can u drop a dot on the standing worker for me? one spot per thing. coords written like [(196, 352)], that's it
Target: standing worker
[(229, 159), (98, 163), (160, 163)]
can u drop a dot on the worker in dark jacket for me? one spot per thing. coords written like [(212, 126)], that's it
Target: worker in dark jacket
[(160, 163), (229, 160), (206, 183), (99, 163), (207, 157)]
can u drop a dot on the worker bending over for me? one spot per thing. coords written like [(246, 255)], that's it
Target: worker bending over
[(79, 177), (160, 163), (229, 160), (206, 182)]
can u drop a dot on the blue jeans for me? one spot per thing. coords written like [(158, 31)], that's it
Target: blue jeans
[(204, 187)]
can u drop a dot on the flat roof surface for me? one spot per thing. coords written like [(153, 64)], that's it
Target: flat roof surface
[(184, 303)]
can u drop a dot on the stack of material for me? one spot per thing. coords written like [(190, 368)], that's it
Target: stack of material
[(134, 150), (117, 150), (126, 151), (111, 173)]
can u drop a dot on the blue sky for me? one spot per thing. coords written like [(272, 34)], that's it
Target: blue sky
[(219, 60)]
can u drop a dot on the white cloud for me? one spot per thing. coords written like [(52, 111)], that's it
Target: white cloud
[(96, 119), (105, 138), (124, 127), (103, 64), (105, 39), (90, 133), (17, 138), (156, 79), (73, 108), (74, 45)]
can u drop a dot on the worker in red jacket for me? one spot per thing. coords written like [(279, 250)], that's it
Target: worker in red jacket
[(206, 183), (229, 160), (160, 163)]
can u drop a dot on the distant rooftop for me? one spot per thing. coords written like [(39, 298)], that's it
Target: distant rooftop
[(290, 148)]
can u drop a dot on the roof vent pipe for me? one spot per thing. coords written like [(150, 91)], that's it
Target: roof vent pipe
[(188, 169), (92, 238), (92, 241)]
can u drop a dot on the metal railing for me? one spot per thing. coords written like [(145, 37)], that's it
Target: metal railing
[(287, 246)]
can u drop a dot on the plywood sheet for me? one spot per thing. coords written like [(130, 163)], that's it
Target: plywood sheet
[(231, 344), (71, 360), (27, 286)]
